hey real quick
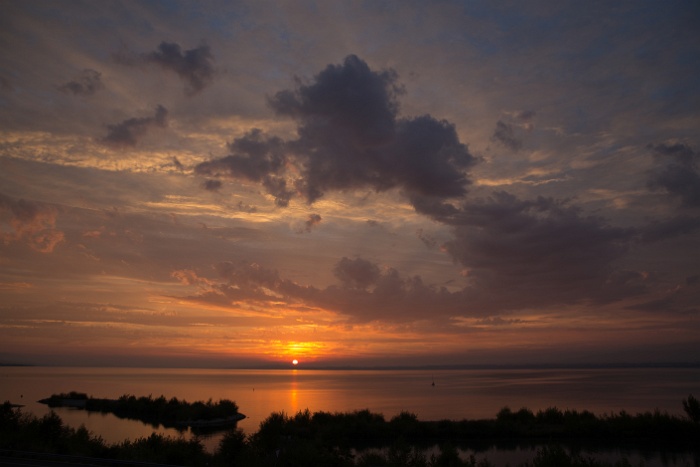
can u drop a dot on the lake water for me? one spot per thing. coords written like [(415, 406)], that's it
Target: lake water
[(456, 395)]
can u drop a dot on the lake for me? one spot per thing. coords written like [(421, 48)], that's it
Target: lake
[(456, 394)]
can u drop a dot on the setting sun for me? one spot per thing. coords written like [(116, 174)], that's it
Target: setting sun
[(295, 362)]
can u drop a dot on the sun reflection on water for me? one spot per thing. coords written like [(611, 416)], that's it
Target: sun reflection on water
[(294, 394)]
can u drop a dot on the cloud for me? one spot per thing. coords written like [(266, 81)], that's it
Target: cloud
[(497, 321), (212, 185), (177, 164), (679, 174), (505, 135), (5, 84), (506, 132), (246, 207), (670, 228), (366, 293), (537, 252), (128, 132), (31, 223), (357, 273), (257, 158), (349, 137), (350, 98), (86, 84), (312, 221), (306, 226), (194, 66), (518, 252)]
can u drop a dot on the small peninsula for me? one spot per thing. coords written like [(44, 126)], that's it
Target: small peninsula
[(172, 413)]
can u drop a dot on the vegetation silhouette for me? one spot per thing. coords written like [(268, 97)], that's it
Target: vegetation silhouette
[(363, 438), (159, 411), (692, 408)]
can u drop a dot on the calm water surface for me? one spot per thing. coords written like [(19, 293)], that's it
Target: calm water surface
[(456, 395)]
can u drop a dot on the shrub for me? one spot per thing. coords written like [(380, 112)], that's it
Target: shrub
[(692, 407)]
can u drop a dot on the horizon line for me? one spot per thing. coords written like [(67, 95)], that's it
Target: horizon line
[(312, 366)]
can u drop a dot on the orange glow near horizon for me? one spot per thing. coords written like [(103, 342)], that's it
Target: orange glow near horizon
[(307, 349)]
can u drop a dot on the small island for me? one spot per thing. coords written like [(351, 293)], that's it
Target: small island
[(172, 413)]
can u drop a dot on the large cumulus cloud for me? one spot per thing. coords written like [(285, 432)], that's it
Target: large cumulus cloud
[(349, 137)]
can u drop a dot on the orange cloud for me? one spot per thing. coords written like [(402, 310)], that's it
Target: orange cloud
[(31, 223)]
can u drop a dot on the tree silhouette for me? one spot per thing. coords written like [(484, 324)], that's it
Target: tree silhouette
[(692, 407)]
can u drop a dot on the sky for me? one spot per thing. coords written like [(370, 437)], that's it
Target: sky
[(349, 183)]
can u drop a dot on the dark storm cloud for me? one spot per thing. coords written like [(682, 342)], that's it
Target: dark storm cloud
[(128, 132), (349, 137), (679, 173), (86, 84)]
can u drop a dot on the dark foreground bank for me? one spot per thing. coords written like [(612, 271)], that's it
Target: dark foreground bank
[(362, 438), (172, 413)]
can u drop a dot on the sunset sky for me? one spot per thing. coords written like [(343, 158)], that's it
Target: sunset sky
[(242, 183)]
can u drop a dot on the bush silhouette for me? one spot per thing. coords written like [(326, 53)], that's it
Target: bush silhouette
[(363, 438), (692, 407)]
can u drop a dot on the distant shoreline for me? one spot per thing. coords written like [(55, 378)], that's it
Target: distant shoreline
[(311, 367)]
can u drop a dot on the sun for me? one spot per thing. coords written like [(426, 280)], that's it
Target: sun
[(295, 362)]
